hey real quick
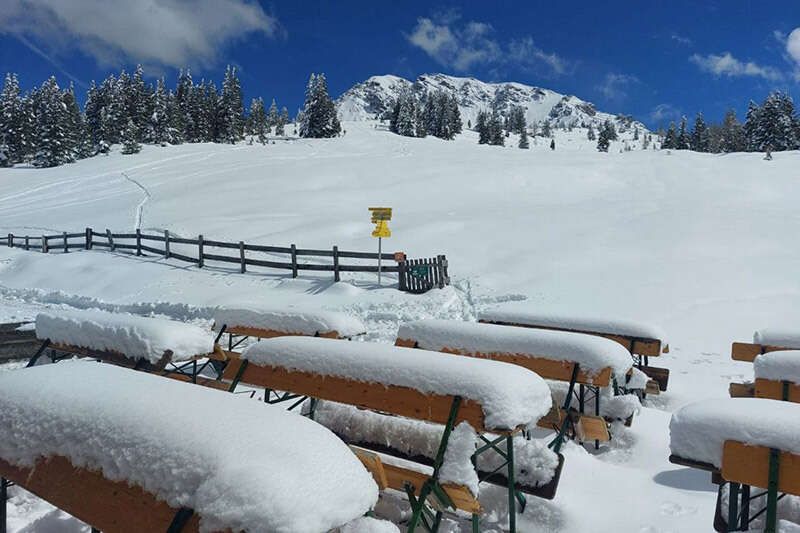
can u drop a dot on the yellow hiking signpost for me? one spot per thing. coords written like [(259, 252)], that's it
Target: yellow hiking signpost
[(381, 217)]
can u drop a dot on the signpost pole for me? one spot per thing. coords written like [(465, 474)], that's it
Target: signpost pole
[(380, 239)]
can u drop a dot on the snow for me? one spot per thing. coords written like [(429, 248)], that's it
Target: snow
[(367, 524), (134, 336), (535, 463), (641, 234), (592, 353), (509, 395), (239, 464), (524, 314), (786, 338), (456, 466), (296, 320), (699, 430), (778, 366), (638, 380)]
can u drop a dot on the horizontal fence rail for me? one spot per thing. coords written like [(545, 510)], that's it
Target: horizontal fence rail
[(414, 275)]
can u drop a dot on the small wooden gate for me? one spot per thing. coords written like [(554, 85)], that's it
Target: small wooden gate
[(418, 276)]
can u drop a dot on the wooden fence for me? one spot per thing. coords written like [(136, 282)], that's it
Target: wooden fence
[(415, 275)]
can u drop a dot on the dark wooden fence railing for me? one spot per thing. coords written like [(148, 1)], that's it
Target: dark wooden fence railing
[(415, 275)]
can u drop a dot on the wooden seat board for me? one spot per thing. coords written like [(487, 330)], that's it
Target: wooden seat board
[(397, 400), (767, 388), (546, 368), (589, 428), (648, 347), (397, 477), (749, 465), (111, 356), (263, 333), (747, 351), (741, 390), (110, 506)]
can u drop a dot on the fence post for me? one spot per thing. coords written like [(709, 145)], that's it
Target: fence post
[(110, 240), (166, 244), (88, 238), (66, 248), (241, 256), (335, 263), (294, 261), (199, 251), (44, 244), (138, 241), (27, 243), (10, 240), (401, 274)]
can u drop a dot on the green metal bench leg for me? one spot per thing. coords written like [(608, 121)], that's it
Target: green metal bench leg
[(745, 514), (512, 501), (733, 506), (3, 504), (772, 491), (476, 523), (181, 518)]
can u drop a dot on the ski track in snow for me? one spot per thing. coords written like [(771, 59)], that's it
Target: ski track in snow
[(137, 223)]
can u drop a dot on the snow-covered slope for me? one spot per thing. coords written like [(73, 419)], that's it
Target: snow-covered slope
[(371, 98)]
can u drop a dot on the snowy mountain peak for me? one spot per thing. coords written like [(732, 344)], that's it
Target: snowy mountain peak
[(373, 97)]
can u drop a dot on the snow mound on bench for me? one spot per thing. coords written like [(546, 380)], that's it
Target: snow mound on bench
[(592, 353), (778, 366), (296, 320), (239, 464), (136, 337), (699, 430), (535, 463), (777, 337), (367, 524), (510, 395), (517, 314)]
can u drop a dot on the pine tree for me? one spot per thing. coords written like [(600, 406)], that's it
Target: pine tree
[(732, 134), (130, 139), (175, 118), (12, 141), (158, 124), (700, 139), (682, 140), (482, 127), (319, 112), (73, 124), (273, 119), (611, 131), (590, 134), (404, 122), (455, 123), (495, 130), (775, 126), (258, 120), (546, 129), (52, 137), (603, 139), (671, 138), (283, 120), (231, 108), (523, 140)]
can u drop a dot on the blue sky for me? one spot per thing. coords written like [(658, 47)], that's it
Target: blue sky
[(655, 60)]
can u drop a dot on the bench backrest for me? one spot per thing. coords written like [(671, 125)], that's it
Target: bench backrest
[(749, 465), (748, 351)]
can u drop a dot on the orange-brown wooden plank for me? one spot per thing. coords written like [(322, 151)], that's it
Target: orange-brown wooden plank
[(546, 368), (372, 462), (767, 388), (402, 401), (110, 506), (749, 465), (397, 477), (589, 428), (205, 382), (747, 351), (262, 333), (741, 390), (110, 356), (648, 347)]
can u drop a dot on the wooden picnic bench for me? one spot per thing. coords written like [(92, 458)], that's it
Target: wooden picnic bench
[(742, 465), (380, 378), (642, 341), (776, 387), (82, 465), (585, 362)]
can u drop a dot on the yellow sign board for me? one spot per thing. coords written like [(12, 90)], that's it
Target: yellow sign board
[(380, 217), (381, 229)]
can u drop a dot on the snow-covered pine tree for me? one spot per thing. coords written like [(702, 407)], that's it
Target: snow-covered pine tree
[(130, 139), (12, 140), (604, 139), (523, 140), (74, 124), (158, 124), (611, 131), (682, 140), (184, 101), (283, 120), (546, 129), (752, 127), (482, 127), (495, 127), (51, 138), (775, 129), (455, 124), (732, 134), (590, 134), (671, 138), (258, 120), (272, 117), (139, 102), (428, 114), (700, 139), (175, 126), (406, 122), (319, 111)]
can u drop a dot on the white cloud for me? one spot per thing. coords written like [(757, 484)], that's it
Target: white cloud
[(462, 47), (793, 45), (727, 65), (664, 112), (162, 32), (614, 85), (680, 39)]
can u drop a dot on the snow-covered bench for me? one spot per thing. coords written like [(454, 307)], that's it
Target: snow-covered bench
[(264, 322), (143, 343), (490, 396), (777, 376), (589, 362), (100, 444), (744, 442), (641, 340), (765, 341)]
